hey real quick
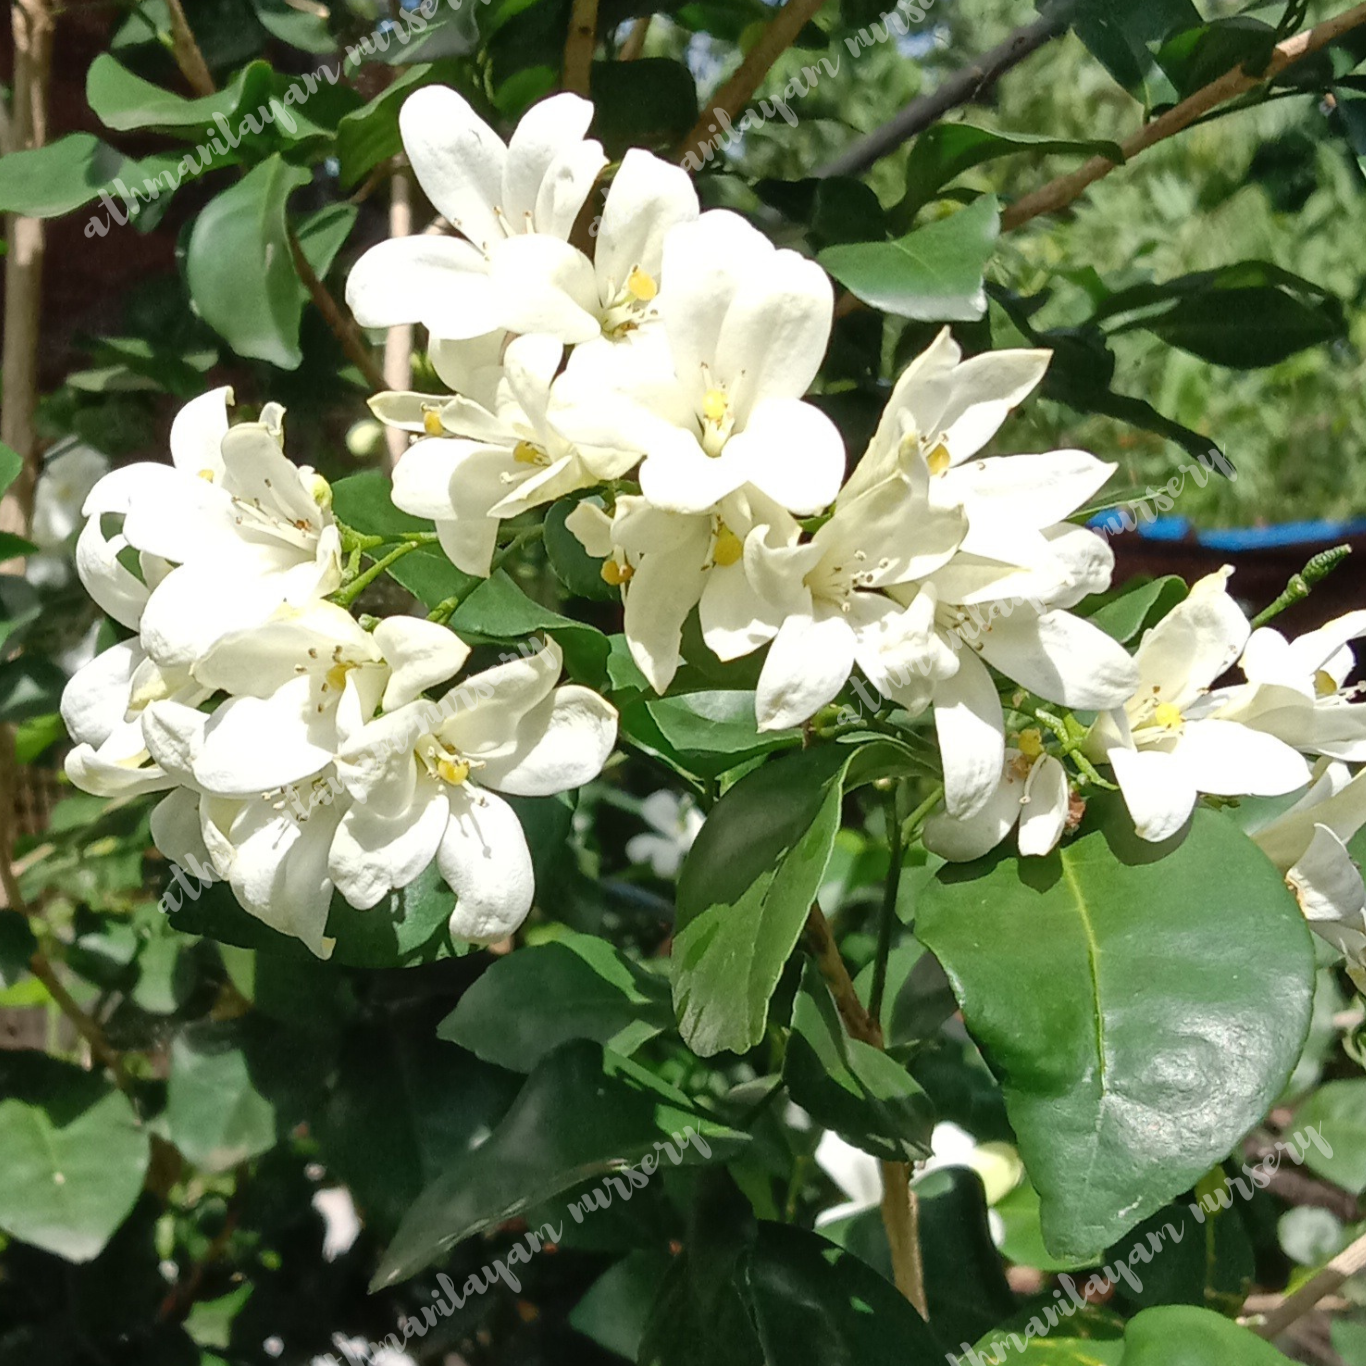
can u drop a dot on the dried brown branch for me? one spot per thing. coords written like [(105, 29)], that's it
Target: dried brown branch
[(1345, 1265), (900, 1208), (188, 57), (579, 46), (398, 342), (342, 325), (1059, 193), (737, 92), (635, 40)]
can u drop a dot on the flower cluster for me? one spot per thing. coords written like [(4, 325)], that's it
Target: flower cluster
[(653, 362), (244, 684)]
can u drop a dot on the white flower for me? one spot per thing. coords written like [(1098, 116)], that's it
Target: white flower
[(944, 410), (667, 563), (1298, 691), (821, 603), (1032, 794), (480, 465), (1172, 741), (227, 533), (714, 403), (1308, 843), (424, 778), (69, 472), (675, 821), (341, 1223), (516, 206)]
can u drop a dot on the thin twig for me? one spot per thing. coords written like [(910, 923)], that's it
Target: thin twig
[(1059, 193), (188, 57), (780, 34), (343, 328), (900, 1208), (1344, 1266), (579, 45), (635, 40), (398, 341), (961, 88), (889, 895)]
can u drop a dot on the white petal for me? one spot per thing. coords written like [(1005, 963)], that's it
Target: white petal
[(808, 663), (197, 433), (971, 731), (648, 197), (567, 186), (1193, 644), (790, 451), (485, 859), (174, 734), (1043, 813), (544, 132), (1327, 882), (440, 282), (95, 701), (1062, 658), (116, 590), (1030, 490), (1157, 790), (561, 744), (592, 527), (666, 586), (458, 160), (545, 285), (175, 825), (970, 409), (372, 855), (735, 619), (960, 841), (420, 653), (253, 745), (1233, 761)]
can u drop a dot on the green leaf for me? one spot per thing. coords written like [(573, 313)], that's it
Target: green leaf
[(651, 102), (121, 100), (1096, 982), (868, 1098), (616, 1308), (11, 462), (1337, 1111), (1197, 56), (298, 27), (1119, 35), (580, 573), (945, 151), (50, 181), (576, 987), (1177, 1335), (498, 611), (932, 274), (75, 1156), (369, 135), (580, 1115), (701, 733), (240, 271), (322, 234), (214, 1113), (744, 893), (1136, 609), (12, 546)]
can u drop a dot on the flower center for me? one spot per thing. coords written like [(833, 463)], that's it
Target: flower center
[(1325, 685), (1168, 716), (939, 459), (727, 548), (1029, 743), (529, 453), (441, 761), (431, 422), (616, 574)]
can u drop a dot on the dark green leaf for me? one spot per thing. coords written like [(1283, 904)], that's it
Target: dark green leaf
[(75, 1156), (298, 27), (240, 271), (616, 1308), (214, 1113), (1180, 1336), (868, 1098), (1119, 36), (580, 573), (12, 546), (651, 102), (581, 1115), (701, 733), (576, 987), (321, 236), (122, 100), (1096, 982), (932, 274), (1197, 56), (53, 180), (11, 464)]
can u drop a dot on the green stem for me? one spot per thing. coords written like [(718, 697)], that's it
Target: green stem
[(533, 533), (1071, 748), (444, 609), (889, 895), (910, 827), (344, 597)]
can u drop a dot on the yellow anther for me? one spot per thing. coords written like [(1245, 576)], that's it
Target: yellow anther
[(206, 474), (714, 405), (1168, 715), (616, 574), (454, 771), (1325, 685), (729, 547), (336, 676), (938, 459), (431, 422), (1030, 743), (641, 286), (320, 491), (527, 453)]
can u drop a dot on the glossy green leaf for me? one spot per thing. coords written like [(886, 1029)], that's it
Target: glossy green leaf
[(1337, 1111), (933, 274), (240, 271), (53, 180), (1176, 1335), (122, 100), (867, 1097), (580, 573), (369, 135), (11, 464), (1134, 610), (701, 733), (74, 1156), (1121, 37), (576, 987), (616, 1308), (744, 893), (581, 1115), (1097, 983), (322, 234), (214, 1113), (945, 151), (305, 29)]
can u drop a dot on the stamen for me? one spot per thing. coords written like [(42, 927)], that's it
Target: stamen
[(1168, 715), (939, 459), (431, 422), (1030, 743), (729, 547), (616, 574), (714, 405), (1325, 685), (527, 453), (641, 285)]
